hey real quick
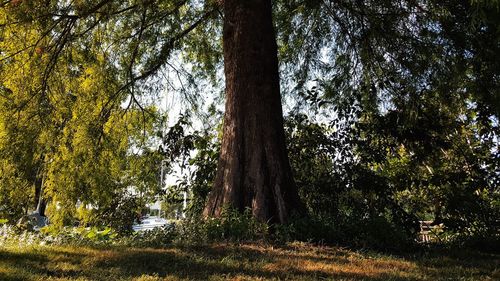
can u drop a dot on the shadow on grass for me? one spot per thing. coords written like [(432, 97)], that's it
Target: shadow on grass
[(30, 263), (228, 262), (460, 264)]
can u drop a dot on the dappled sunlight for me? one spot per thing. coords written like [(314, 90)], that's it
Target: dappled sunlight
[(328, 262), (236, 262)]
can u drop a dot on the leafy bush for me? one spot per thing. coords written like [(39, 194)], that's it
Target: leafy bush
[(119, 215), (77, 235), (232, 226), (375, 233), (235, 226), (157, 237)]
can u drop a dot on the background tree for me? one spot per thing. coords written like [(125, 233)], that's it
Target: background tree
[(68, 139)]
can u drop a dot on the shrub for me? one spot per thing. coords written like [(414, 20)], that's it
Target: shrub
[(155, 238), (376, 233), (231, 226)]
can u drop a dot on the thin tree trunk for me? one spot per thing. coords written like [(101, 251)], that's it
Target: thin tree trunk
[(38, 191), (253, 169), (40, 203)]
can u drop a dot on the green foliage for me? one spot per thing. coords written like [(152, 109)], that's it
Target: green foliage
[(54, 235), (235, 226), (77, 235), (73, 140), (198, 153), (120, 214), (432, 155), (347, 204), (371, 232), (61, 215), (100, 235), (207, 155), (157, 237), (15, 195), (231, 226)]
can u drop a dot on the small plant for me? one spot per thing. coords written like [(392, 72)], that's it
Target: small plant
[(106, 234)]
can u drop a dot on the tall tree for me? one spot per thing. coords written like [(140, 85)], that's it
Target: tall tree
[(389, 46), (253, 170)]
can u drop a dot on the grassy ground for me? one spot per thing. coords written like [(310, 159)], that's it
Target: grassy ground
[(238, 262)]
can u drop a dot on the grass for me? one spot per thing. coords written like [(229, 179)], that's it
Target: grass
[(239, 262)]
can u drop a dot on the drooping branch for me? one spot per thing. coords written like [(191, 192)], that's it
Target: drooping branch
[(68, 22)]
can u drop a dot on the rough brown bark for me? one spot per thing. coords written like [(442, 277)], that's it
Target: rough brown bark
[(253, 169)]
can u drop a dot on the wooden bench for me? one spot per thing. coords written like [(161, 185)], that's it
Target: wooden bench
[(429, 232)]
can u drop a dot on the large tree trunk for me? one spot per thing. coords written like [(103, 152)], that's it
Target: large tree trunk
[(253, 169)]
